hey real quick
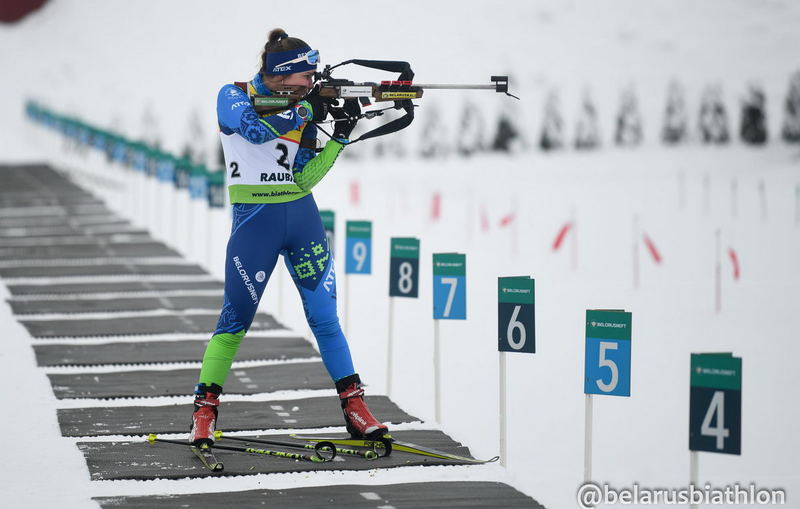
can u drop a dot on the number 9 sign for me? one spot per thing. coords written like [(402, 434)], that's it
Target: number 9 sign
[(358, 258), (515, 315), (608, 353)]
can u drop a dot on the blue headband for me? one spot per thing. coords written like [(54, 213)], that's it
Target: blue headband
[(291, 61)]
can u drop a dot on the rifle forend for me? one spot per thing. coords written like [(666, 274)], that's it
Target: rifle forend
[(287, 96)]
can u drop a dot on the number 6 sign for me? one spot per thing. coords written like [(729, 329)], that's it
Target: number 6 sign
[(516, 330), (608, 353)]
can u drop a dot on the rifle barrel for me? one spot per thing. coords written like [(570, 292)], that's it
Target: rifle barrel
[(456, 87)]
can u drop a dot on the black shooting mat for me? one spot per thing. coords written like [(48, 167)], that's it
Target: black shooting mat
[(74, 221), (101, 231), (179, 303), (20, 180), (145, 383), (135, 325), (253, 348), (145, 461), (16, 209), (113, 287), (109, 269), (110, 250), (418, 495), (303, 413), (75, 240)]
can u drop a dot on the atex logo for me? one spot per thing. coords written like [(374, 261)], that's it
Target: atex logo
[(329, 280)]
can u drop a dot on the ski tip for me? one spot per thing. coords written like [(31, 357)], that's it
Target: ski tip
[(492, 460)]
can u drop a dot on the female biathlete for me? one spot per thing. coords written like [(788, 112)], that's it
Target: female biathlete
[(271, 166)]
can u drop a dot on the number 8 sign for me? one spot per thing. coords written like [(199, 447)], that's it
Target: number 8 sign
[(608, 353), (516, 330), (404, 267)]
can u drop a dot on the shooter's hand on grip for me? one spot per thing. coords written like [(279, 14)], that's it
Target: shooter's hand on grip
[(320, 106), (347, 118)]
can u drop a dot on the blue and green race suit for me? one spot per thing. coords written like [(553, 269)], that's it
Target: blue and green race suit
[(271, 165)]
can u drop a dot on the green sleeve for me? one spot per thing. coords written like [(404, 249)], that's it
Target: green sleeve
[(318, 167)]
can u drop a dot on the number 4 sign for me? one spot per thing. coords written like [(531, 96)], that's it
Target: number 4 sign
[(715, 403), (608, 353)]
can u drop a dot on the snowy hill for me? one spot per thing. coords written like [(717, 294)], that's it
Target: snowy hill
[(151, 70)]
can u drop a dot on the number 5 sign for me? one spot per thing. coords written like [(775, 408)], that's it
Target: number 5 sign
[(608, 353), (359, 247), (516, 330), (449, 286), (715, 403)]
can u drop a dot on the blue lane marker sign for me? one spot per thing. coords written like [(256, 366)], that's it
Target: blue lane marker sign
[(359, 247), (449, 286), (608, 353)]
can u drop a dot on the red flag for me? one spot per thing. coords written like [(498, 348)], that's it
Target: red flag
[(507, 219), (354, 192), (735, 261), (652, 248), (436, 206), (562, 233), (484, 219)]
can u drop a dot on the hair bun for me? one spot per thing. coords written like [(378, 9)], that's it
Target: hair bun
[(277, 34)]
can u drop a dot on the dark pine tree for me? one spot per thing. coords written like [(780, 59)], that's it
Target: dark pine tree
[(753, 129), (587, 133), (675, 129), (791, 120)]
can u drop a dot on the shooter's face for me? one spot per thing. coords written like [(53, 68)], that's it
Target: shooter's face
[(303, 79)]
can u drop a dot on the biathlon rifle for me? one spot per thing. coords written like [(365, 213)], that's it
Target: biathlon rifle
[(401, 91)]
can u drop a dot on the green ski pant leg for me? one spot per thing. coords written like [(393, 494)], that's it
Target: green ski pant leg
[(218, 358)]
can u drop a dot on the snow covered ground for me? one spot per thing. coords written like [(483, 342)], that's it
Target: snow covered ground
[(137, 66)]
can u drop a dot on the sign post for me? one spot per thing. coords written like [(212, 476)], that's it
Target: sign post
[(715, 407), (516, 332), (358, 257), (607, 366), (403, 282), (449, 303)]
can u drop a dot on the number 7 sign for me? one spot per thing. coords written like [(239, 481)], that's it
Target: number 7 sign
[(449, 286)]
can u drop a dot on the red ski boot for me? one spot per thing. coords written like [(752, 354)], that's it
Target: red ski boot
[(360, 421), (204, 417)]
